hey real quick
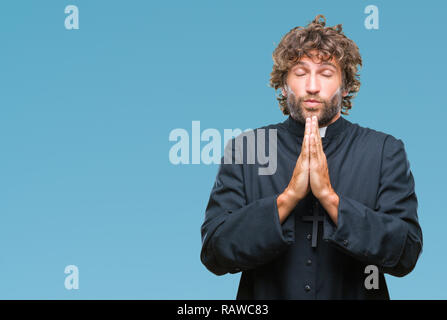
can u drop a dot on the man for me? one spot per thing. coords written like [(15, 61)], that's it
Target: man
[(342, 201)]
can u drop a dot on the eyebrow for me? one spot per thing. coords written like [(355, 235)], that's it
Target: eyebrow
[(325, 63)]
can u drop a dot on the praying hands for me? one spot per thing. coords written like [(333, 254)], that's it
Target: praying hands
[(310, 174)]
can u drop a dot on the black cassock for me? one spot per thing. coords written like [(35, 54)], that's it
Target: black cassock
[(306, 259)]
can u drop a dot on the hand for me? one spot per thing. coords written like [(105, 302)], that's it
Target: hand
[(320, 182), (311, 173), (299, 185)]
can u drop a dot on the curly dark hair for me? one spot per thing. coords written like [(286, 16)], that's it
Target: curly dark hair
[(330, 42)]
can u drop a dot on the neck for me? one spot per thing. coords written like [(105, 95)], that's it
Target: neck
[(332, 121), (335, 127)]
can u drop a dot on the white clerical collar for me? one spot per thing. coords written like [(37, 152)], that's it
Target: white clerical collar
[(322, 131)]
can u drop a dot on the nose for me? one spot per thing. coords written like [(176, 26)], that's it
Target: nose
[(312, 85)]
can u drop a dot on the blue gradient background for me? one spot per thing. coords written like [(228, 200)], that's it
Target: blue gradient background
[(85, 177)]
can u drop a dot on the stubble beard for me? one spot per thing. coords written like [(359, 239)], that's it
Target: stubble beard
[(329, 108)]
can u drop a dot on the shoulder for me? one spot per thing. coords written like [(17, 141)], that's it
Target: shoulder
[(387, 143), (262, 131), (370, 134), (247, 143), (275, 126)]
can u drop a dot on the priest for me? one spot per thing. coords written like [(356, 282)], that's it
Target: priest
[(341, 203)]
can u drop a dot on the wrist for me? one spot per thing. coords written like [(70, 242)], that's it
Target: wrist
[(285, 202), (330, 203), (289, 198), (328, 197)]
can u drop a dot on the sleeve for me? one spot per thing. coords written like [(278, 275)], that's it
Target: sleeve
[(389, 236), (236, 235)]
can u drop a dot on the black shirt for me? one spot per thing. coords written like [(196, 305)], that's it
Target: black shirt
[(377, 218)]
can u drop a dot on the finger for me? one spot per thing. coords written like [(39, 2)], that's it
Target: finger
[(312, 124), (305, 145), (319, 139), (317, 134), (308, 128), (318, 143), (317, 127), (313, 148), (311, 133), (308, 132), (305, 149), (308, 146)]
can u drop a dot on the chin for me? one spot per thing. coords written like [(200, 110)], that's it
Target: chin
[(310, 113)]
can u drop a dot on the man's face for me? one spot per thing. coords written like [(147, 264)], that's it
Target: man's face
[(318, 81)]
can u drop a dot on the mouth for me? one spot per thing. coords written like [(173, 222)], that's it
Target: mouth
[(312, 103)]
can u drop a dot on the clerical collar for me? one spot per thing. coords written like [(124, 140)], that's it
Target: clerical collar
[(331, 131), (322, 131)]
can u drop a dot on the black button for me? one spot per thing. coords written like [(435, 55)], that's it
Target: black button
[(307, 287), (309, 237), (309, 262), (345, 242)]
